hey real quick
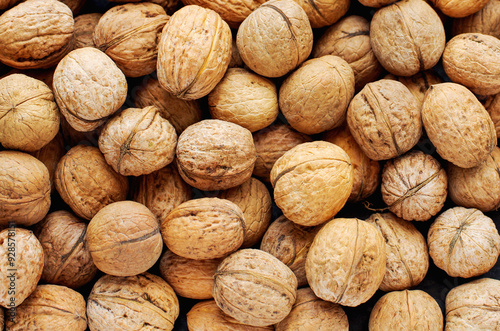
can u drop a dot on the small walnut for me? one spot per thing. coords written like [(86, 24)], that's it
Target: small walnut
[(254, 287), (485, 21), (418, 84), (323, 13), (464, 242), (492, 105), (84, 29), (460, 8), (50, 155)]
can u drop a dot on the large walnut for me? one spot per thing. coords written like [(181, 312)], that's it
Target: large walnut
[(50, 155), (485, 21), (418, 84), (460, 8), (322, 13), (84, 29)]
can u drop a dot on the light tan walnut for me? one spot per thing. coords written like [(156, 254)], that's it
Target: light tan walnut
[(84, 29)]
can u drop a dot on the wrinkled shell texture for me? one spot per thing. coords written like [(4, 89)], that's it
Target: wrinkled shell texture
[(206, 228), (51, 307), (406, 252), (473, 60), (194, 52), (67, 259), (28, 264), (407, 37), (350, 39), (132, 303), (485, 21), (458, 125), (312, 182), (29, 118), (324, 12), (124, 239), (406, 310), (346, 262), (275, 38), (84, 29), (315, 97), (459, 8), (36, 34), (418, 84), (88, 87), (254, 287), (492, 105), (464, 242), (244, 98), (87, 183), (129, 34), (474, 304), (50, 155), (215, 155), (384, 119)]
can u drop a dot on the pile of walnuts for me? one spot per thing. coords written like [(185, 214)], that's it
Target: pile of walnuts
[(209, 150)]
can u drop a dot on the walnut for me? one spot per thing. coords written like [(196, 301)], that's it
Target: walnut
[(254, 287), (45, 75), (323, 13), (275, 38), (236, 61), (132, 303), (74, 5), (418, 84), (36, 34), (73, 137), (485, 21), (193, 53), (6, 4), (492, 105), (407, 37), (50, 155), (170, 6), (124, 239), (464, 242), (376, 3), (459, 8), (2, 319), (84, 29), (346, 262)]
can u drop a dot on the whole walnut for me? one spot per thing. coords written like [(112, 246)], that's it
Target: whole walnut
[(464, 242), (458, 125), (67, 259), (323, 13), (50, 155), (215, 155), (36, 34), (132, 303), (418, 84), (84, 29), (459, 8), (254, 287), (29, 118), (492, 105), (485, 21), (124, 239), (384, 119), (406, 310), (193, 53), (346, 262), (244, 98), (87, 183), (275, 38), (50, 307), (349, 39), (407, 37)]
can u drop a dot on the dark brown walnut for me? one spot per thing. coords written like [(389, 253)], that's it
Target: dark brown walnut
[(193, 53), (45, 75), (2, 320), (29, 118), (74, 5), (193, 279), (275, 38), (87, 183), (406, 252), (72, 137), (129, 34), (132, 303), (474, 304), (67, 259), (485, 21), (385, 119), (406, 310), (414, 186), (458, 125), (24, 189), (473, 60), (206, 228), (459, 8), (349, 39), (170, 6), (124, 239), (28, 265), (346, 262), (236, 61), (244, 98), (407, 37), (365, 171), (50, 307), (323, 13), (289, 242), (36, 34), (50, 155), (215, 155), (418, 84), (254, 288), (492, 105), (376, 3), (84, 29), (6, 4)]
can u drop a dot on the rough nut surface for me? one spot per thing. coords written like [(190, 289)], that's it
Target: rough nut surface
[(84, 29), (492, 105), (485, 21), (459, 8), (322, 13), (418, 84), (50, 155)]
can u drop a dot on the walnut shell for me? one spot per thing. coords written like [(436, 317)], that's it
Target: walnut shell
[(407, 37), (6, 4), (124, 239), (460, 8), (254, 287), (376, 3), (458, 125), (87, 183), (384, 119), (492, 105), (170, 6), (323, 13), (346, 262), (50, 155), (132, 303), (193, 53), (36, 34), (84, 29), (275, 38), (215, 155), (45, 75), (74, 5), (418, 84), (236, 61), (485, 21), (2, 319)]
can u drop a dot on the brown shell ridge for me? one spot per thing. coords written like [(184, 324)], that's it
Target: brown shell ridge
[(144, 237), (61, 310), (417, 49), (316, 9), (482, 307), (74, 115), (353, 265), (65, 257), (457, 235), (48, 93), (411, 192)]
